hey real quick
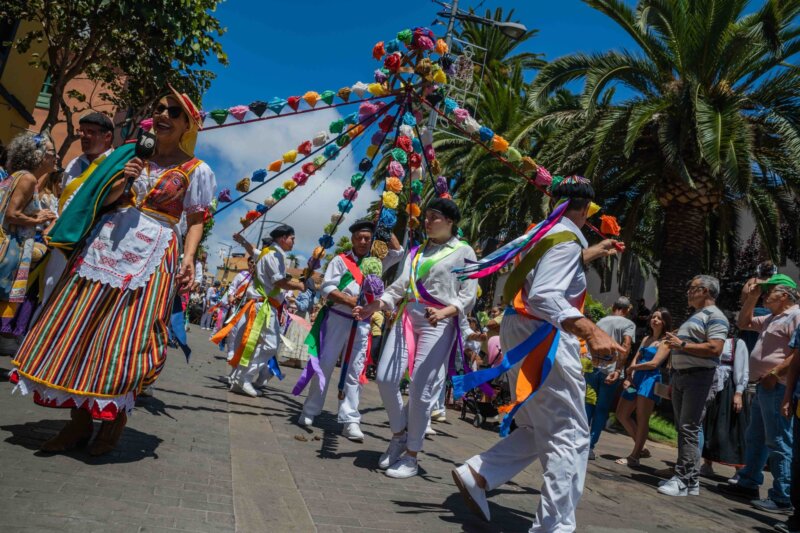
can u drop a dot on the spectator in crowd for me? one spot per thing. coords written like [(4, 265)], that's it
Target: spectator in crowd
[(639, 387), (211, 300), (96, 135), (695, 356), (791, 411), (764, 271), (727, 414), (642, 318), (769, 436), (606, 371)]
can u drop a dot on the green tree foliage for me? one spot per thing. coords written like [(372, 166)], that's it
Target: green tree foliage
[(135, 47)]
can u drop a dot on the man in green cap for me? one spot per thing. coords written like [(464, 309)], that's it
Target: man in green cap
[(769, 435)]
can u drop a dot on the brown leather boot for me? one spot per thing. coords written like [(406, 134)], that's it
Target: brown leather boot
[(76, 433), (109, 435)]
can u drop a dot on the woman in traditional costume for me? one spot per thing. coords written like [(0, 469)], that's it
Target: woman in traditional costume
[(102, 336), (31, 159), (432, 302)]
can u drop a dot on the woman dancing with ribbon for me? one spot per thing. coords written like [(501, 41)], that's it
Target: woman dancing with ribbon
[(430, 303)]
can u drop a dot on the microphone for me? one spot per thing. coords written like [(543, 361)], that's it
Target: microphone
[(145, 146)]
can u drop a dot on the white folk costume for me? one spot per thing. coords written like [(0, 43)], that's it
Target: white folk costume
[(547, 287), (235, 299), (333, 333), (257, 323), (414, 345)]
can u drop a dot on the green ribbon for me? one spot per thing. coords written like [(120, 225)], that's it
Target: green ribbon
[(312, 339), (262, 317)]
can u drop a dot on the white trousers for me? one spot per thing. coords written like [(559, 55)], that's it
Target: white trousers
[(336, 335), (551, 427), (257, 371), (234, 338), (430, 367)]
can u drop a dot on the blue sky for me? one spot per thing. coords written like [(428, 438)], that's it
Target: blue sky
[(287, 48)]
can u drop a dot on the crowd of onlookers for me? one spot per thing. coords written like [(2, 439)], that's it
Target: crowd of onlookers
[(733, 396)]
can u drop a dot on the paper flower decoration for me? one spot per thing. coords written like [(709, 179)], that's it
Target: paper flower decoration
[(258, 108), (319, 139), (276, 105), (311, 98), (251, 216), (300, 178), (261, 208), (415, 174), (413, 222), (450, 105), (337, 217), (309, 168), (344, 93), (259, 175), (405, 36), (426, 136), (461, 114), (146, 124), (350, 193), (499, 144), (416, 187), (415, 198), (327, 96), (513, 155), (371, 151), (394, 184), (243, 185), (609, 225), (424, 68), (344, 206), (388, 217), (415, 161), (378, 51), (435, 167), (413, 210), (392, 46), (441, 47), (359, 88), (290, 156), (366, 110), (405, 130), (528, 164), (396, 170), (543, 177), (422, 42), (357, 180), (377, 89), (386, 123), (430, 153), (331, 151), (486, 134), (279, 193), (377, 137), (337, 126), (270, 202), (224, 196), (319, 161), (416, 145), (371, 266), (399, 155), (294, 102), (366, 164), (380, 75), (238, 111), (440, 76), (342, 140), (390, 199), (404, 143), (326, 241), (379, 250), (305, 148), (355, 131), (441, 185), (219, 116), (289, 185), (275, 166), (471, 126)]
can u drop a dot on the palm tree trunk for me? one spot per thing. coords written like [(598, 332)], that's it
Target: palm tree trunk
[(682, 256)]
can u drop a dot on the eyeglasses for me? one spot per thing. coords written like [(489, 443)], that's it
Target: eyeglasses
[(50, 152), (174, 111), (694, 288)]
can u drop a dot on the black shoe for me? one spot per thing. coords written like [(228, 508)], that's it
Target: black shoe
[(739, 491)]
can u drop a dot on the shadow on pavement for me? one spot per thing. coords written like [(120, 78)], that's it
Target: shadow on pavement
[(454, 511), (134, 445)]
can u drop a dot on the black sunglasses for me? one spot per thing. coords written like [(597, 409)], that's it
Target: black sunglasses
[(174, 111)]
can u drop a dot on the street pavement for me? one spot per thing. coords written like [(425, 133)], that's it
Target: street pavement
[(196, 457)]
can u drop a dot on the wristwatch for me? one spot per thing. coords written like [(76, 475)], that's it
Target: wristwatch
[(683, 344)]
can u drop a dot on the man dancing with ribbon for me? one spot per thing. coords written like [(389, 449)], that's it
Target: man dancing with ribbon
[(254, 358), (335, 331), (432, 302), (540, 335)]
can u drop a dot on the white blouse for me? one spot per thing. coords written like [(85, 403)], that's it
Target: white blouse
[(337, 268)]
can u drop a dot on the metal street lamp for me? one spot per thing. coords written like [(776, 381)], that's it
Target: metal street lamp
[(263, 221), (512, 30)]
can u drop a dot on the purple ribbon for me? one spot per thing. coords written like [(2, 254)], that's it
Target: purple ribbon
[(313, 366)]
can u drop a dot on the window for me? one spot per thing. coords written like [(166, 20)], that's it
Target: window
[(45, 94)]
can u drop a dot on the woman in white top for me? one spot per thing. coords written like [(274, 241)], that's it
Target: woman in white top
[(431, 301)]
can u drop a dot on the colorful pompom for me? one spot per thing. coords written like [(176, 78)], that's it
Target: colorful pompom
[(344, 206), (305, 148), (390, 199), (259, 175), (486, 134), (279, 193), (337, 126), (371, 266), (399, 155), (378, 51), (224, 196), (275, 166), (350, 193), (394, 184), (300, 178), (290, 156), (326, 241), (388, 217), (499, 144), (365, 165), (289, 185), (396, 170), (357, 180), (243, 185)]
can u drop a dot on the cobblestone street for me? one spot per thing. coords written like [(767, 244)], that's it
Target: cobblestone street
[(197, 458)]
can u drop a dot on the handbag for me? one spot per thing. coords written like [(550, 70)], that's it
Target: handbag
[(4, 200)]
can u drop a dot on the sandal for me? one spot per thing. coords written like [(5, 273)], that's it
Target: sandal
[(645, 454), (629, 461)]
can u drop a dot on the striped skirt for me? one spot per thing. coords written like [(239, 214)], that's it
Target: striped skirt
[(96, 347)]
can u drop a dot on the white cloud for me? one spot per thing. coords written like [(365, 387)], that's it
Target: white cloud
[(235, 152)]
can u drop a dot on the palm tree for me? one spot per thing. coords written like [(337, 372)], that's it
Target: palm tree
[(708, 126)]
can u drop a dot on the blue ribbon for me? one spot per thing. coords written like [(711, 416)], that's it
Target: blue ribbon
[(178, 325), (275, 368)]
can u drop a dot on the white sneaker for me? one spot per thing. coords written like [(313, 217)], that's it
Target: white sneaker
[(665, 481), (674, 487), (353, 432), (439, 416), (693, 490), (734, 480), (248, 389), (396, 448), (403, 468), (429, 430), (305, 421), (473, 495)]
